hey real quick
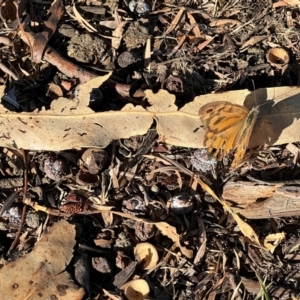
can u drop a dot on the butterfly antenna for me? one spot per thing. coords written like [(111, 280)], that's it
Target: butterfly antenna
[(255, 99), (254, 90)]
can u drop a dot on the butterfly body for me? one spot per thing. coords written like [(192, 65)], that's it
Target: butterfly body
[(228, 127)]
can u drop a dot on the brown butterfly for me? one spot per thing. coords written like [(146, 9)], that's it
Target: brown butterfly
[(228, 127)]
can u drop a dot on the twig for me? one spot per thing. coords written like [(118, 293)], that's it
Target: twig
[(6, 70), (54, 58)]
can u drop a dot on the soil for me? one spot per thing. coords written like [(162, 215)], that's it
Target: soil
[(188, 48)]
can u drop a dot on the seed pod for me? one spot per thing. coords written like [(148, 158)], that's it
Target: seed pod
[(86, 178), (147, 254), (135, 206), (137, 289), (55, 168), (278, 57), (94, 160), (181, 204)]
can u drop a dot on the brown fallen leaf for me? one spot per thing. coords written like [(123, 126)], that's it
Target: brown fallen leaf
[(175, 21), (222, 22), (196, 28), (252, 41), (41, 272)]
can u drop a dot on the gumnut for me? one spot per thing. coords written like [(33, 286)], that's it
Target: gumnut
[(146, 254), (137, 289)]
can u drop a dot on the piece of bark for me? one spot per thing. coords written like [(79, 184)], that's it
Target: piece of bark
[(264, 200), (123, 276), (245, 192), (82, 270), (274, 207)]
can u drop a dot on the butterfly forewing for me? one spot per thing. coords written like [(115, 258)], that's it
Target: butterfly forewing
[(222, 116), (228, 127)]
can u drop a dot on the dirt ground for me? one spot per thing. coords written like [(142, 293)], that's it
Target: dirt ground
[(144, 218)]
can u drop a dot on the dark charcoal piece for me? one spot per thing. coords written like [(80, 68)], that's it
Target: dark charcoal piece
[(82, 270)]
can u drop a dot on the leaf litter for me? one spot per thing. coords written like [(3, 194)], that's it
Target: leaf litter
[(118, 155)]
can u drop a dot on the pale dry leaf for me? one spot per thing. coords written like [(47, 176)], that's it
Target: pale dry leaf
[(103, 208), (114, 179), (161, 102), (267, 130), (107, 219), (79, 105), (253, 40), (55, 132), (165, 228), (245, 228), (117, 34), (62, 286), (72, 124), (82, 21), (40, 271), (271, 241), (109, 24), (147, 54), (86, 88)]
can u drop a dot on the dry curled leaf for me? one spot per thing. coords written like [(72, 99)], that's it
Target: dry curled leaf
[(278, 57)]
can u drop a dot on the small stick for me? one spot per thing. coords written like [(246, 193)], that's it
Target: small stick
[(53, 57)]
